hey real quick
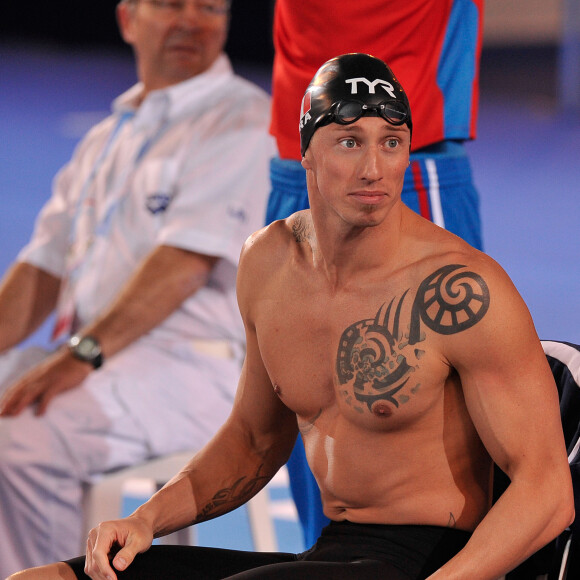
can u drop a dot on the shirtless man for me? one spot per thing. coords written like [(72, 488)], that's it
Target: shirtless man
[(406, 360)]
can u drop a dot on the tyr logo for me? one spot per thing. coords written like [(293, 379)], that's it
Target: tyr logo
[(371, 85)]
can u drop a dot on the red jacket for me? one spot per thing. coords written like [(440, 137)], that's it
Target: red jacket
[(432, 46)]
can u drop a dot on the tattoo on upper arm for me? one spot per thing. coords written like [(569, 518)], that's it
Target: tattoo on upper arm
[(230, 497), (448, 301), (378, 358), (451, 523)]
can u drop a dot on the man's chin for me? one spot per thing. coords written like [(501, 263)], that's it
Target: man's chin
[(184, 63)]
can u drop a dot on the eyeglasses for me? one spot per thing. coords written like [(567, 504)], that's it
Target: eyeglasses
[(347, 112), (206, 7)]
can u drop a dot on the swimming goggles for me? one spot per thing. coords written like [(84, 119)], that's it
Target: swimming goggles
[(347, 112)]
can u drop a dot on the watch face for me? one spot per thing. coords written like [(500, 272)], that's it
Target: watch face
[(85, 348), (88, 348)]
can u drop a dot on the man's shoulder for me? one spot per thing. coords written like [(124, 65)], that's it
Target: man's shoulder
[(269, 248), (440, 263), (95, 138), (457, 288), (280, 234), (222, 100), (241, 93), (264, 261), (241, 107), (451, 260), (428, 244)]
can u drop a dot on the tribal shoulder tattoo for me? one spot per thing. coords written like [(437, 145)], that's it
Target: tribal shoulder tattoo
[(378, 357)]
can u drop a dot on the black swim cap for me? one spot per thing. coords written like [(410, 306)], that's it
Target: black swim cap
[(347, 87)]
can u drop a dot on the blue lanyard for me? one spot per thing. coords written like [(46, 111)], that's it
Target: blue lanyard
[(103, 226), (96, 167)]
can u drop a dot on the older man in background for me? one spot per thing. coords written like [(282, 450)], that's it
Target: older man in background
[(137, 252)]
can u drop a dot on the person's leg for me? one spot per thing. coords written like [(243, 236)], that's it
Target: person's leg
[(122, 414), (345, 550), (180, 562), (58, 571), (44, 461), (176, 563), (368, 551), (358, 570)]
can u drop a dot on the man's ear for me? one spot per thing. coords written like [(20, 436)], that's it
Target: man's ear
[(306, 161), (125, 21)]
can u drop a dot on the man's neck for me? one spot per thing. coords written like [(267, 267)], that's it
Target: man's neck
[(353, 251)]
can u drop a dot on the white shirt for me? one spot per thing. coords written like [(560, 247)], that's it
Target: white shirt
[(188, 168)]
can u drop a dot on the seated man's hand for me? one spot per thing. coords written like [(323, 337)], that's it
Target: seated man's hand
[(56, 374), (115, 544)]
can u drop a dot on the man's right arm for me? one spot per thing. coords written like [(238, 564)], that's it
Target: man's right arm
[(244, 455), (27, 296)]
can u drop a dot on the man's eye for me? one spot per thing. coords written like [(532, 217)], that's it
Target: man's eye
[(392, 143), (349, 143)]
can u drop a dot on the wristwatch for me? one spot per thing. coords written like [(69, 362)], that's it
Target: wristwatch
[(87, 349)]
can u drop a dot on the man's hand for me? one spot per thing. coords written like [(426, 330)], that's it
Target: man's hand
[(116, 543), (56, 374)]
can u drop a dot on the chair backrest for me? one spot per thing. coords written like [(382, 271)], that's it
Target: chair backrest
[(564, 360), (561, 558)]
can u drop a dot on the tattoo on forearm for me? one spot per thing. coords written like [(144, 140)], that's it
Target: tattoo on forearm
[(451, 523), (378, 358), (230, 497)]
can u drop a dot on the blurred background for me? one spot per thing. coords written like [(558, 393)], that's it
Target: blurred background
[(61, 64)]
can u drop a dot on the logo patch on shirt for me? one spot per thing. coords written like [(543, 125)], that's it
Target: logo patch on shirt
[(158, 202), (237, 213)]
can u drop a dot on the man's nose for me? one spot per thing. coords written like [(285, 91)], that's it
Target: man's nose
[(370, 165), (192, 14)]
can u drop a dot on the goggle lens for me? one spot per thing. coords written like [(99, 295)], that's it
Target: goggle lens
[(347, 112)]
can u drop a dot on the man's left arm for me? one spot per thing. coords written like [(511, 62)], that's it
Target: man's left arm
[(165, 278), (513, 403)]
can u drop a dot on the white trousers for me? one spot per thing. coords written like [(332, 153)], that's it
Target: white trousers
[(144, 402)]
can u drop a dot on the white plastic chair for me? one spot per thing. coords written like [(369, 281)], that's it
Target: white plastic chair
[(104, 500)]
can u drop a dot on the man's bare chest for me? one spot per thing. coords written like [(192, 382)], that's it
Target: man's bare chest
[(375, 353)]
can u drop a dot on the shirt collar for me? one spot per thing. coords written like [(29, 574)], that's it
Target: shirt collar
[(173, 101)]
